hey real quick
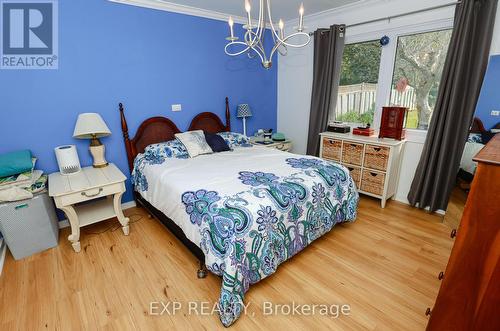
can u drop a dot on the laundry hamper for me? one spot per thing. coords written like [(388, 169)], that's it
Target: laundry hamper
[(29, 226)]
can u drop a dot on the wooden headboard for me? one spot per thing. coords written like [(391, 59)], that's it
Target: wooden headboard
[(477, 126), (159, 129)]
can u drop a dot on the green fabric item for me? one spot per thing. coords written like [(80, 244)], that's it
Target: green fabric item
[(279, 136), (15, 163)]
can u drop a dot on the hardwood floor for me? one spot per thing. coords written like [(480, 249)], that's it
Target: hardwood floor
[(385, 266), (455, 208)]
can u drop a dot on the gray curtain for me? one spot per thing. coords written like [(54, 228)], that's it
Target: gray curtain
[(328, 51), (459, 90)]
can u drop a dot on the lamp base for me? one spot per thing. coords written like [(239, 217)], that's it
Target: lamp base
[(97, 153)]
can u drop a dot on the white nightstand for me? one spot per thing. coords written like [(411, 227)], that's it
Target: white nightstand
[(285, 146), (69, 191)]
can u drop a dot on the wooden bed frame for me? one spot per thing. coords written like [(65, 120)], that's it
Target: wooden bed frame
[(477, 126), (160, 129)]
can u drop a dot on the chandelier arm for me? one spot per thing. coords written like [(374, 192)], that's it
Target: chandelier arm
[(276, 46), (257, 34), (247, 48), (262, 20), (271, 19), (284, 41), (261, 55), (248, 38)]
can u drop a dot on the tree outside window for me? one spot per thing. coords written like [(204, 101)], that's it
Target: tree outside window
[(418, 68), (358, 83)]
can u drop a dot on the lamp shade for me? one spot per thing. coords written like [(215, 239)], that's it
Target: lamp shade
[(89, 125), (244, 111)]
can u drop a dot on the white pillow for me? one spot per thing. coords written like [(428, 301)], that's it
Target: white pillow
[(195, 142)]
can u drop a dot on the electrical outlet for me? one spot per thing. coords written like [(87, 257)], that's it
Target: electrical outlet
[(177, 107), (495, 113)]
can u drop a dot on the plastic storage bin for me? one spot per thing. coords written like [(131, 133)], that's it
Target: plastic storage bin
[(29, 226)]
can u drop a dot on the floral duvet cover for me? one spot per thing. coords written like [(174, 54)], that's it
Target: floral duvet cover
[(249, 210)]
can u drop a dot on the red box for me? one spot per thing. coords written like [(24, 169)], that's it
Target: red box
[(363, 132)]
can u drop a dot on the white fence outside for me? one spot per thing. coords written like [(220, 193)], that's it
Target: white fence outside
[(360, 98)]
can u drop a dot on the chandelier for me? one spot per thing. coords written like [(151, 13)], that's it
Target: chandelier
[(253, 43)]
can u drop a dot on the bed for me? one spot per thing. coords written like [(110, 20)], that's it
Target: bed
[(477, 139), (241, 213)]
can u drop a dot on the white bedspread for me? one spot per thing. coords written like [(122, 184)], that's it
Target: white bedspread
[(249, 210), (214, 172)]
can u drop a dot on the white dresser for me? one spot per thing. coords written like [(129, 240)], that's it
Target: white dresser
[(373, 163)]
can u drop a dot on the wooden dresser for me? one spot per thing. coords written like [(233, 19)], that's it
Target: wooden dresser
[(373, 162), (469, 297)]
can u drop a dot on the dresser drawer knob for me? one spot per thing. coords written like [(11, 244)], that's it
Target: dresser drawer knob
[(441, 275), (453, 233), (92, 195), (428, 312)]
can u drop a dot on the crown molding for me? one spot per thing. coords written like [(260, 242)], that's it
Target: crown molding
[(181, 9), (338, 10)]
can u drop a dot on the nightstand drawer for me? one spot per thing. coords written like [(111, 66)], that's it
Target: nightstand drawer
[(352, 153), (331, 149), (90, 194), (287, 146), (376, 157)]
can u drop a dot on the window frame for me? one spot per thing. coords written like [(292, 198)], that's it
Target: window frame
[(399, 28)]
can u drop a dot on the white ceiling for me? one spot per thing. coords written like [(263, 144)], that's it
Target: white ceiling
[(285, 9)]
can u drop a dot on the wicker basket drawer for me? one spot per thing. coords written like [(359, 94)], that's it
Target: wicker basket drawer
[(331, 149), (355, 173), (376, 157), (373, 182), (352, 153)]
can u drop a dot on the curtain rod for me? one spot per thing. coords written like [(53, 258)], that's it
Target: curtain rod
[(401, 15)]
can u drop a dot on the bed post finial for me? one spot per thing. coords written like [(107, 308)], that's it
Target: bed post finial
[(124, 121), (228, 116), (128, 144)]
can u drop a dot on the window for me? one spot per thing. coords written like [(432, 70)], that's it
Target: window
[(406, 72), (418, 68), (358, 83)]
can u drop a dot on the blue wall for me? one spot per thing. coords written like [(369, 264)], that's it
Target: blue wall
[(147, 59), (489, 98)]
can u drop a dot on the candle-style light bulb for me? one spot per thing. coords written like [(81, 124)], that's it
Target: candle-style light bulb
[(231, 24), (301, 17), (248, 9), (281, 25)]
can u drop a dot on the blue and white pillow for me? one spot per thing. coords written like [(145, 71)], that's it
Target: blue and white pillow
[(475, 138), (169, 149), (194, 142), (234, 139)]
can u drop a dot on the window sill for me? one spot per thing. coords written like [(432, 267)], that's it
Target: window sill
[(416, 136)]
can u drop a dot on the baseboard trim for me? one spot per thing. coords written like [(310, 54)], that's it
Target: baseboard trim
[(127, 205)]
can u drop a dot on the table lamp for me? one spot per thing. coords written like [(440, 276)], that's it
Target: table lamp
[(244, 112), (92, 126)]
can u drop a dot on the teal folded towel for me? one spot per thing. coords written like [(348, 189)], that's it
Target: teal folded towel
[(15, 163)]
